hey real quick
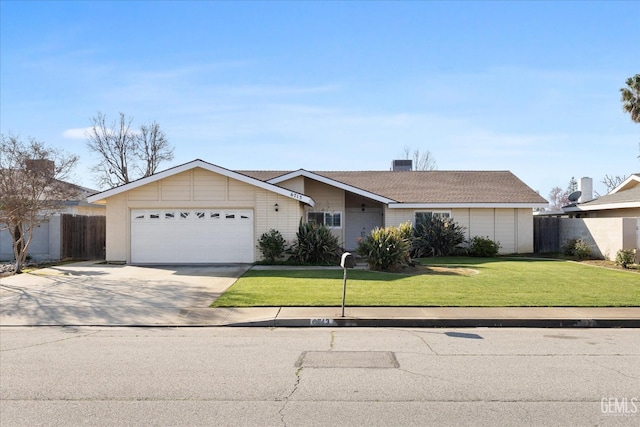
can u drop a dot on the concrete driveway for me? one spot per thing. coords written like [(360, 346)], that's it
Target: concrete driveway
[(88, 293)]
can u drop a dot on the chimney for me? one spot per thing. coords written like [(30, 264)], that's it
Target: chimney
[(585, 185), (402, 165)]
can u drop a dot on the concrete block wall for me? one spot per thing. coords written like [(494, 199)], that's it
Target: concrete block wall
[(605, 235), (46, 244)]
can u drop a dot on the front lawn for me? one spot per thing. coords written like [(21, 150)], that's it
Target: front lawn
[(448, 282)]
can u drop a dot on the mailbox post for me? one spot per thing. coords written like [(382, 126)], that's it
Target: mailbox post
[(347, 261)]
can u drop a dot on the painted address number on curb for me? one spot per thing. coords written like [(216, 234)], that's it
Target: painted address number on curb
[(322, 322)]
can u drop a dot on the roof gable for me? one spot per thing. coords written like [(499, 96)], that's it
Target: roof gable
[(207, 166), (333, 182)]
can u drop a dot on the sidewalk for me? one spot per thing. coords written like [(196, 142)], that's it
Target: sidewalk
[(551, 317)]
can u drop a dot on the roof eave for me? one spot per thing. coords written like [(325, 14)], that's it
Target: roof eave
[(482, 205), (604, 206)]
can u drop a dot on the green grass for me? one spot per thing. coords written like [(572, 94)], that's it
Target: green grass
[(499, 282)]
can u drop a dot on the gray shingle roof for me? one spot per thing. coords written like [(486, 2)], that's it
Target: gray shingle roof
[(627, 195), (431, 186)]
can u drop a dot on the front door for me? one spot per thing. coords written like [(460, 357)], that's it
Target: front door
[(359, 223)]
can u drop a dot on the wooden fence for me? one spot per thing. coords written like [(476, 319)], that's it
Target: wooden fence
[(83, 237), (546, 234)]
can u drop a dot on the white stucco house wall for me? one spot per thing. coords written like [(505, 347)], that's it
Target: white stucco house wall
[(199, 212)]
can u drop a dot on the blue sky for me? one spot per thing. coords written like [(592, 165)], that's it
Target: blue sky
[(531, 87)]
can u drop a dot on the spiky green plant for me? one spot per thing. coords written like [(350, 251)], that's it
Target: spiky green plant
[(315, 244), (436, 236), (386, 249)]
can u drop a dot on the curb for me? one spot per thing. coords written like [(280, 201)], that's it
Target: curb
[(442, 323)]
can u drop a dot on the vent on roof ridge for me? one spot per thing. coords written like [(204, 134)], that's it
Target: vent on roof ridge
[(402, 165)]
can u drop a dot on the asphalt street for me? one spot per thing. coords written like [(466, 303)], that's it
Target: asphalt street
[(318, 376)]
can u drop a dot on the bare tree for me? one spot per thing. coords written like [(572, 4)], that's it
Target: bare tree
[(32, 188), (125, 154), (558, 198), (612, 182), (421, 161), (153, 148)]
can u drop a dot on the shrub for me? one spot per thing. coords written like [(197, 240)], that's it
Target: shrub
[(272, 245), (578, 248), (436, 236), (625, 257), (568, 247), (483, 247), (386, 249), (582, 249), (315, 244)]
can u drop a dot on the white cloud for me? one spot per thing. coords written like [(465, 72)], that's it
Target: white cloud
[(76, 133)]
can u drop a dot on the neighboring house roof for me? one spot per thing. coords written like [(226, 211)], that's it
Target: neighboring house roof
[(99, 197), (424, 188), (81, 193), (625, 195)]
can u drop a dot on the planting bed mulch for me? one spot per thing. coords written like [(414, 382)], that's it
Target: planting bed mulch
[(611, 265)]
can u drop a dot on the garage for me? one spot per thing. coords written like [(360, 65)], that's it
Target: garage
[(168, 236)]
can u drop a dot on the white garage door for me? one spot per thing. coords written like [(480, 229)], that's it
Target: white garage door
[(191, 236)]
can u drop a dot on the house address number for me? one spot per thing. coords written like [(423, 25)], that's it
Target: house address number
[(322, 322), (296, 195)]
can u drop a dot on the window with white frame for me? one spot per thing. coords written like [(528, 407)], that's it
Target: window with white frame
[(422, 216), (329, 219)]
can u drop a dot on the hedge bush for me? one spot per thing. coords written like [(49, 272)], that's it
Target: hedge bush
[(577, 248), (483, 247), (625, 257), (272, 245)]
